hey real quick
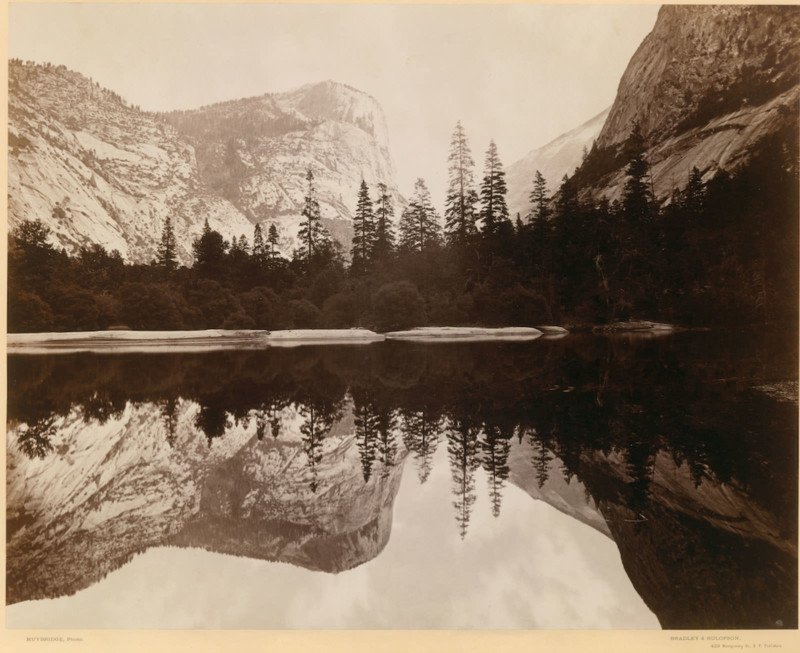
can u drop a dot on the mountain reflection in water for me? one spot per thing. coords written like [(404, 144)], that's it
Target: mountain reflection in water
[(677, 450)]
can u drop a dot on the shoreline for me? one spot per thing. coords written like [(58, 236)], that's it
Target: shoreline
[(123, 341), (129, 341)]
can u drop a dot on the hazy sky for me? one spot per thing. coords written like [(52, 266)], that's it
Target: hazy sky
[(521, 74)]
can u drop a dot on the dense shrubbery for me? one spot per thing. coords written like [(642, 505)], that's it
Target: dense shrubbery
[(722, 252)]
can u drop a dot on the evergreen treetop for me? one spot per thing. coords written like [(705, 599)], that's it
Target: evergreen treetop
[(384, 229), (363, 230), (459, 214), (494, 210)]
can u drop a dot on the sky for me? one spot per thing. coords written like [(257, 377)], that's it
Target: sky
[(520, 74)]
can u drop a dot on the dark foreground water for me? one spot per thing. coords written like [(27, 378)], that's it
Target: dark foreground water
[(584, 482)]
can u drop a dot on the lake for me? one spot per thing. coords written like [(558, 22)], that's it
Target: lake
[(577, 482)]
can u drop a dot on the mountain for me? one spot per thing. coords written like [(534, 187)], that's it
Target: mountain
[(558, 158), (143, 478), (97, 170), (707, 86), (255, 152)]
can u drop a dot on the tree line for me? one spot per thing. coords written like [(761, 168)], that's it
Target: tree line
[(722, 250)]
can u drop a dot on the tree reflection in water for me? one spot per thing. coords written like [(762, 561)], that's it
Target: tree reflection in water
[(606, 413)]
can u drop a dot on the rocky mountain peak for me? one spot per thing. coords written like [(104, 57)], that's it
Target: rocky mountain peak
[(99, 170), (255, 152), (337, 102), (703, 61)]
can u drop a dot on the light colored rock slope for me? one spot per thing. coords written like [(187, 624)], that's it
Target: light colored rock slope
[(97, 170), (256, 151), (558, 158), (723, 143)]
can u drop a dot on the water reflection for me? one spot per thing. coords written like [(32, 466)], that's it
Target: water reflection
[(665, 446)]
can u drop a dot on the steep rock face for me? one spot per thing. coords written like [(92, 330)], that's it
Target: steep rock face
[(97, 170), (706, 85), (558, 158), (266, 502), (109, 491), (255, 152), (689, 549)]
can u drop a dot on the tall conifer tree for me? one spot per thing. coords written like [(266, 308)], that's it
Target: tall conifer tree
[(363, 230), (494, 210), (540, 211), (384, 229), (419, 224), (311, 234), (637, 198), (166, 256), (272, 239), (459, 213), (258, 243)]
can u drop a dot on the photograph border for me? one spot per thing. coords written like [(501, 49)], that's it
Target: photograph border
[(355, 641)]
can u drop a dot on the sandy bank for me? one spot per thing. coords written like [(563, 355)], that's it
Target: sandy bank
[(134, 341), (298, 337), (446, 334), (550, 330), (221, 339)]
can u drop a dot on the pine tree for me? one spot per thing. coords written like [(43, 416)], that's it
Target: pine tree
[(567, 204), (366, 435), (494, 211), (363, 230), (272, 239), (317, 422), (462, 452), (496, 447), (209, 251), (384, 230), (459, 213), (421, 431), (237, 247), (165, 256), (693, 197), (387, 441), (540, 211), (637, 199), (258, 243), (169, 415), (419, 224), (311, 234)]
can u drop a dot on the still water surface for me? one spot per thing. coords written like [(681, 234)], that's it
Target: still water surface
[(584, 482)]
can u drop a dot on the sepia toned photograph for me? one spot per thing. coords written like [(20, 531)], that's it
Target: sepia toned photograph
[(402, 317)]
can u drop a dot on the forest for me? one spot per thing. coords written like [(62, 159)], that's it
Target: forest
[(721, 251)]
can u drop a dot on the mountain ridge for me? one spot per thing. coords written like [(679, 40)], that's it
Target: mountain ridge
[(559, 157), (706, 86), (97, 169)]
